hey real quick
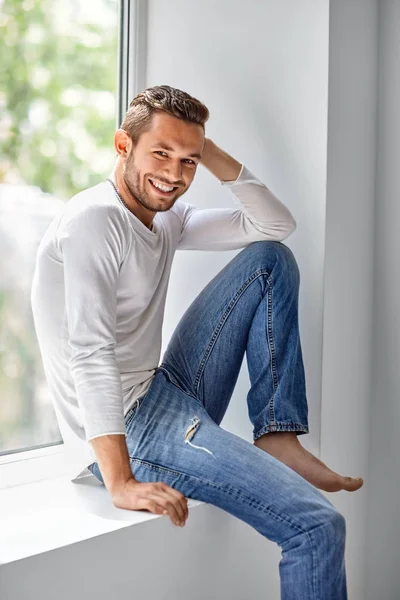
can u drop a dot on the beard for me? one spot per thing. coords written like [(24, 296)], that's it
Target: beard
[(131, 177)]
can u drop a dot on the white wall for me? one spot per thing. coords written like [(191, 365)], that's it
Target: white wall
[(263, 73), (151, 560), (349, 277), (262, 70), (383, 541)]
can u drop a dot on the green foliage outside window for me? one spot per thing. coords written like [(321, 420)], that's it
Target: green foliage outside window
[(58, 99)]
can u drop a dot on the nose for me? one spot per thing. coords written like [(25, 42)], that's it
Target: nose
[(173, 172)]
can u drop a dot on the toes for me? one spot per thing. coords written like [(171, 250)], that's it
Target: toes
[(352, 484)]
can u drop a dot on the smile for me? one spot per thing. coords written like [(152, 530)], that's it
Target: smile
[(163, 189)]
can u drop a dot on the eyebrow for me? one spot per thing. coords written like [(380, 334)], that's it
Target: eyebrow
[(166, 147)]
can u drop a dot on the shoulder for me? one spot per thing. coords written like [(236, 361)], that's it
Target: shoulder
[(94, 218), (93, 209), (181, 210)]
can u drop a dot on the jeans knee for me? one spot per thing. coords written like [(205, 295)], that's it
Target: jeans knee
[(287, 259), (340, 524), (276, 255), (337, 524)]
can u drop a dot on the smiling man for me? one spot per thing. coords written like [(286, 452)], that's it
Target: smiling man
[(148, 178), (150, 431)]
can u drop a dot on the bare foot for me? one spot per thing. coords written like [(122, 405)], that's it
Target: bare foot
[(285, 446)]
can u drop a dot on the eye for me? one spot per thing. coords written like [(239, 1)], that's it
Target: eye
[(188, 160)]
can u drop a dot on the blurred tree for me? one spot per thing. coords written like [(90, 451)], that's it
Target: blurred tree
[(58, 99), (58, 82)]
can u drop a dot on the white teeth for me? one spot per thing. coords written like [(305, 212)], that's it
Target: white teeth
[(163, 188)]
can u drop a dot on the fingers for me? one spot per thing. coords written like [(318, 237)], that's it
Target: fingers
[(150, 505), (173, 506), (160, 498), (179, 496)]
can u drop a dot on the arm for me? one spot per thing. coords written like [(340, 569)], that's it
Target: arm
[(126, 492), (113, 459), (261, 215), (92, 246), (219, 162)]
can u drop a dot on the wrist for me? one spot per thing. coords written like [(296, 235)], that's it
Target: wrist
[(208, 148), (220, 163), (118, 487)]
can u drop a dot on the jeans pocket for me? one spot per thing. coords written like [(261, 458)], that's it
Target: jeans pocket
[(132, 412)]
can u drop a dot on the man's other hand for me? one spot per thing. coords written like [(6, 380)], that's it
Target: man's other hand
[(157, 497)]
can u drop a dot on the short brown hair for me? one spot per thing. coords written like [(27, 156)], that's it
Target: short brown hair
[(162, 98)]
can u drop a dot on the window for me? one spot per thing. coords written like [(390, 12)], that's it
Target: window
[(59, 103)]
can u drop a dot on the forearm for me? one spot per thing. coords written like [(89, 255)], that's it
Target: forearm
[(219, 162), (113, 459)]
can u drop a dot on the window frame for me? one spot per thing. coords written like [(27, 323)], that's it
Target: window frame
[(47, 461)]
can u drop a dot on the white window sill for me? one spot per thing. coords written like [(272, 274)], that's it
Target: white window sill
[(45, 515)]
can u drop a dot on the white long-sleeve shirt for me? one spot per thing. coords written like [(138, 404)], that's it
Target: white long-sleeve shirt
[(99, 291)]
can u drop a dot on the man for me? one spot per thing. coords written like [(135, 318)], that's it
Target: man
[(150, 432)]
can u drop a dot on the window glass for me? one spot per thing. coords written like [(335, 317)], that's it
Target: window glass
[(58, 106)]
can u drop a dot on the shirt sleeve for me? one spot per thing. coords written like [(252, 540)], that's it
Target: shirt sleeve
[(260, 216), (92, 249)]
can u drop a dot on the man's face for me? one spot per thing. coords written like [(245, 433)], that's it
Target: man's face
[(167, 154)]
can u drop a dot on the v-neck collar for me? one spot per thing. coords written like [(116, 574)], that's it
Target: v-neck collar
[(155, 226)]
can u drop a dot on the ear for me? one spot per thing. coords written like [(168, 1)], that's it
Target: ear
[(122, 143)]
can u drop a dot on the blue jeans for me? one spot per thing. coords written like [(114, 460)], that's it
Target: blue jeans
[(174, 433)]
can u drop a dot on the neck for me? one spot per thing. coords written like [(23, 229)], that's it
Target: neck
[(146, 217)]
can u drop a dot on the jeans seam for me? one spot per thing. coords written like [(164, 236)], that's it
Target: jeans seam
[(129, 419), (314, 554), (280, 426), (270, 339), (133, 414), (313, 557), (240, 495), (223, 319), (178, 386)]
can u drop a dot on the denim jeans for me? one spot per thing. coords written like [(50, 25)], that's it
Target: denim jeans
[(174, 433)]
